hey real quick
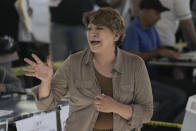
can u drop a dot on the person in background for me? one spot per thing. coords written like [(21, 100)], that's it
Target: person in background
[(142, 39), (191, 44), (67, 31), (9, 83), (109, 88), (179, 15), (123, 6)]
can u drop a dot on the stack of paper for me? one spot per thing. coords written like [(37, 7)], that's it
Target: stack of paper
[(5, 112)]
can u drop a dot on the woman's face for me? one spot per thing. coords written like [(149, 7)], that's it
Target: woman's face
[(100, 38)]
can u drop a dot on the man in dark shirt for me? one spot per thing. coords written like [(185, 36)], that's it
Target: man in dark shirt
[(67, 30), (9, 18), (8, 26)]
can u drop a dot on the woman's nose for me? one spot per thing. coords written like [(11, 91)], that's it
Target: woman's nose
[(93, 33)]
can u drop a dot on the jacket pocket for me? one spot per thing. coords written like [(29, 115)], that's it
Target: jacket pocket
[(126, 93), (86, 88)]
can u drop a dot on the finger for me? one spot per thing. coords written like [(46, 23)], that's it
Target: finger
[(99, 97), (30, 62), (97, 102), (30, 74), (98, 107), (49, 62), (37, 59), (28, 69)]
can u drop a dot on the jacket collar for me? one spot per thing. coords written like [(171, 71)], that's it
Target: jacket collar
[(117, 64)]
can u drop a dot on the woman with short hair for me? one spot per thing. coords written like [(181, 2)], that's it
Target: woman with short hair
[(109, 89)]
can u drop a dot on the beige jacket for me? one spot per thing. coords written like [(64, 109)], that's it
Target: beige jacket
[(131, 86)]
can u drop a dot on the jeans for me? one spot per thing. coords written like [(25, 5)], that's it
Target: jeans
[(66, 40)]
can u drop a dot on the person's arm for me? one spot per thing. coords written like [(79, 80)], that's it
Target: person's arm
[(52, 88), (142, 106), (159, 52), (182, 12), (41, 71), (141, 109), (10, 83), (188, 28), (146, 55)]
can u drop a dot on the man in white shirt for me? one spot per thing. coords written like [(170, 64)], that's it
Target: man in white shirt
[(179, 15)]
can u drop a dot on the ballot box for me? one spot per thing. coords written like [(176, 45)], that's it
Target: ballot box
[(189, 122)]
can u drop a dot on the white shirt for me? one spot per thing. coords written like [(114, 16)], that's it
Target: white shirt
[(41, 20), (168, 25), (125, 10)]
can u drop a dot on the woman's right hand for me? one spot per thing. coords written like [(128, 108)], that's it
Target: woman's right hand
[(39, 69)]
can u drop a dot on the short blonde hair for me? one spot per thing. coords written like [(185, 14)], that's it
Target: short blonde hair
[(108, 17)]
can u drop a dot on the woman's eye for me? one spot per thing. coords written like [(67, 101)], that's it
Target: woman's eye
[(88, 28), (100, 28)]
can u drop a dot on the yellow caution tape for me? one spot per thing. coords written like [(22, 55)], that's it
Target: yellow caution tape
[(165, 124)]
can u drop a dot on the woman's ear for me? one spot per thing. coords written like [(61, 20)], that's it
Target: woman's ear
[(116, 37)]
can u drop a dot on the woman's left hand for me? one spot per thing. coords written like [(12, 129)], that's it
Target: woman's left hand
[(105, 103)]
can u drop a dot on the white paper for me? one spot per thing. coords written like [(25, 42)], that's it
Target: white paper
[(188, 56), (4, 126), (64, 113), (42, 122), (5, 112), (40, 20)]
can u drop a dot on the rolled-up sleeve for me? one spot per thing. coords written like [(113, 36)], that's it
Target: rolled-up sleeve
[(59, 87), (182, 9), (143, 100)]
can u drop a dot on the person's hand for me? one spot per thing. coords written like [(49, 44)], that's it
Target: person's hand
[(168, 53), (39, 69), (105, 103)]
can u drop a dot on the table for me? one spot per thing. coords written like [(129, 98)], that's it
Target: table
[(166, 62), (23, 106)]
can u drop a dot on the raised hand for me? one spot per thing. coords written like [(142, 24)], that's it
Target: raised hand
[(39, 69)]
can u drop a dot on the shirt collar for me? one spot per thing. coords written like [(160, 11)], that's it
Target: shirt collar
[(117, 64)]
